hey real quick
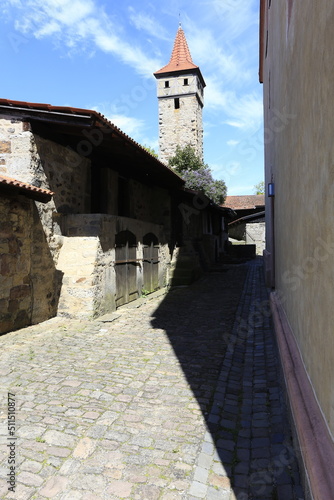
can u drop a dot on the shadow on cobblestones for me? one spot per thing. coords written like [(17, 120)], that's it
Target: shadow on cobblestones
[(220, 331), (174, 398)]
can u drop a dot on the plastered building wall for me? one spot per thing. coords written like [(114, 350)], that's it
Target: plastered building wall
[(299, 152)]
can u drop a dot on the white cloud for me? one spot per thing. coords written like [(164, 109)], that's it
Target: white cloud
[(246, 111), (214, 57), (147, 23), (234, 16), (242, 110), (232, 142), (81, 24), (130, 125), (226, 171)]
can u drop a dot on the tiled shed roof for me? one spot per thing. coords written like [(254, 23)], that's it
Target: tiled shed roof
[(244, 202), (79, 119), (25, 188)]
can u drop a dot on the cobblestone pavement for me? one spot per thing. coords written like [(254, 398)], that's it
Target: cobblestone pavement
[(176, 399)]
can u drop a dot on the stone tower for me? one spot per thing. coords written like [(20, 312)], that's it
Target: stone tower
[(181, 99)]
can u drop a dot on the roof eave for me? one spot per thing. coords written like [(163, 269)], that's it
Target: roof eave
[(262, 39), (81, 119)]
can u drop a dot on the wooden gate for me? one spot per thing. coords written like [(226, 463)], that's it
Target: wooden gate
[(150, 262), (126, 267)]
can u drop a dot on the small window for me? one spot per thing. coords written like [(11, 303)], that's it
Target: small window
[(185, 81), (177, 103), (166, 85)]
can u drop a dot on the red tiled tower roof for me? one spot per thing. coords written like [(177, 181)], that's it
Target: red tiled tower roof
[(181, 57)]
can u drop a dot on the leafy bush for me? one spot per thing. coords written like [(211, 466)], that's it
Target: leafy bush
[(197, 175)]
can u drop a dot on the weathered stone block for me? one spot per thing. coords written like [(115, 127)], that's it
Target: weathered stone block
[(3, 306), (14, 246), (21, 320), (5, 147), (5, 229), (13, 306), (26, 127), (19, 292), (4, 245), (7, 265), (6, 324)]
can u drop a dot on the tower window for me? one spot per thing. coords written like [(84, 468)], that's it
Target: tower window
[(185, 81), (177, 103), (167, 84)]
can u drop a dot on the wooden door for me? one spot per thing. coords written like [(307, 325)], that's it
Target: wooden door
[(126, 267), (150, 262)]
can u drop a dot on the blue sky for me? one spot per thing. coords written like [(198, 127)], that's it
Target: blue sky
[(100, 55)]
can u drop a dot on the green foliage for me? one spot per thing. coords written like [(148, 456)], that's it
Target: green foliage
[(151, 150), (197, 174), (185, 159), (259, 188)]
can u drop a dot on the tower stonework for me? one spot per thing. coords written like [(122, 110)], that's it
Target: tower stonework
[(181, 99)]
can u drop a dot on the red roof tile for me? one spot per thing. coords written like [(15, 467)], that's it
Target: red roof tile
[(25, 187), (181, 57), (244, 202)]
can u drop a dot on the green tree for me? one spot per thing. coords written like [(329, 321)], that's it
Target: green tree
[(259, 188), (185, 159), (198, 175)]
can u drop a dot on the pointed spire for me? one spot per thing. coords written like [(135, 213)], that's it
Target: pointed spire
[(181, 57)]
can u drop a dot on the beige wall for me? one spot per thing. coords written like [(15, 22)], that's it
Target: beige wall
[(299, 157)]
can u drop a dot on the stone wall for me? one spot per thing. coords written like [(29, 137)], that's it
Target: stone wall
[(181, 126), (87, 259), (68, 248), (16, 141), (252, 233), (67, 174), (29, 282), (150, 204), (256, 235), (46, 164), (15, 270)]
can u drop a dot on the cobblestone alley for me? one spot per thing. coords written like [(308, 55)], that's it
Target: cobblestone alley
[(179, 398)]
